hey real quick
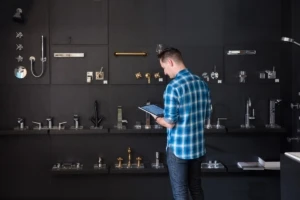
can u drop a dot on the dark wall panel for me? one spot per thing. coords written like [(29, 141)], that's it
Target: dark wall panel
[(252, 21), (124, 68), (79, 22), (35, 25), (195, 22), (74, 70), (135, 22), (28, 102)]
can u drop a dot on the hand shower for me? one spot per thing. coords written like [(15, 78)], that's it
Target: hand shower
[(43, 59)]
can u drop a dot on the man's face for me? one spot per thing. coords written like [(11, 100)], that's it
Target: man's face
[(167, 65)]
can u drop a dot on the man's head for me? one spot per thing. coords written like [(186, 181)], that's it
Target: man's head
[(171, 61)]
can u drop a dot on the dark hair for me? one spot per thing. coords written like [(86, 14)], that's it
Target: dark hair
[(170, 52)]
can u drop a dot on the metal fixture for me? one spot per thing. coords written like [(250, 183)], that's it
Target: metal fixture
[(205, 76), (214, 74), (19, 58), (272, 115), (156, 75), (242, 77), (208, 124), (291, 40), (43, 60), (290, 139), (241, 52), (76, 123), (218, 125), (147, 124), (49, 122), (296, 106), (130, 54), (96, 120), (19, 47), (89, 77), (19, 35), (68, 55), (18, 16), (271, 74), (20, 72), (21, 123), (39, 127), (61, 125), (148, 76), (138, 75), (247, 116)]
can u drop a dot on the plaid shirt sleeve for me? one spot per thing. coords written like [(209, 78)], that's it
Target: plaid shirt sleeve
[(171, 105)]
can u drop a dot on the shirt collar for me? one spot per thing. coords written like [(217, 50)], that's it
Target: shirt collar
[(181, 72)]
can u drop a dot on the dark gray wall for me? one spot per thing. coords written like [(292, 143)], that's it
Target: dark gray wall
[(203, 30)]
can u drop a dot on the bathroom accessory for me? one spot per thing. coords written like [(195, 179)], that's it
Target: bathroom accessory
[(43, 60)]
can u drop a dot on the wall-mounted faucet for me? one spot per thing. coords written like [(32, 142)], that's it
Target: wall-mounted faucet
[(272, 105), (247, 116)]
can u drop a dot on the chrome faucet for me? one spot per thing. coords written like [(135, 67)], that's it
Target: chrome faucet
[(76, 121), (147, 124), (272, 123), (208, 124), (247, 116), (21, 123), (49, 122)]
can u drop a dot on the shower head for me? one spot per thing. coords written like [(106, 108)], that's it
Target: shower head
[(18, 16), (287, 39)]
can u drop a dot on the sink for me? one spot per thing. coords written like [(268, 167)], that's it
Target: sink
[(293, 155)]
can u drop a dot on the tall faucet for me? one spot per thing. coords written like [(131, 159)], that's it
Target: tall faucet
[(208, 125), (147, 124), (247, 115), (21, 123), (272, 123), (76, 121)]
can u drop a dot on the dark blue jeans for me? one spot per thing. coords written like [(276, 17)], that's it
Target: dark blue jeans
[(185, 175)]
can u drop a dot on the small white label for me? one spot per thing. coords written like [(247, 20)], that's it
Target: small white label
[(105, 82), (277, 80), (219, 81), (160, 80)]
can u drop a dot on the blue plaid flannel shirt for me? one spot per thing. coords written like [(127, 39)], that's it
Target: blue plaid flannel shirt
[(187, 104)]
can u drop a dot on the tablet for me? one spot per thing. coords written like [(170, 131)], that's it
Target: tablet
[(153, 109)]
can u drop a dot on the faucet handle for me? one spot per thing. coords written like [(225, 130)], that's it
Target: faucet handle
[(296, 105), (39, 124), (60, 125), (20, 120)]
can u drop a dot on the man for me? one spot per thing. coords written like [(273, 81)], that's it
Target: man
[(186, 107)]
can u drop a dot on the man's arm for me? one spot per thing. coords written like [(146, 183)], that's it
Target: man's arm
[(170, 108), (161, 121)]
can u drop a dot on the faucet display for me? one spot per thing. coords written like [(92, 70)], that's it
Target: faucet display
[(49, 122), (218, 125), (96, 120), (272, 115), (208, 124), (76, 123), (21, 125), (247, 116), (147, 124)]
